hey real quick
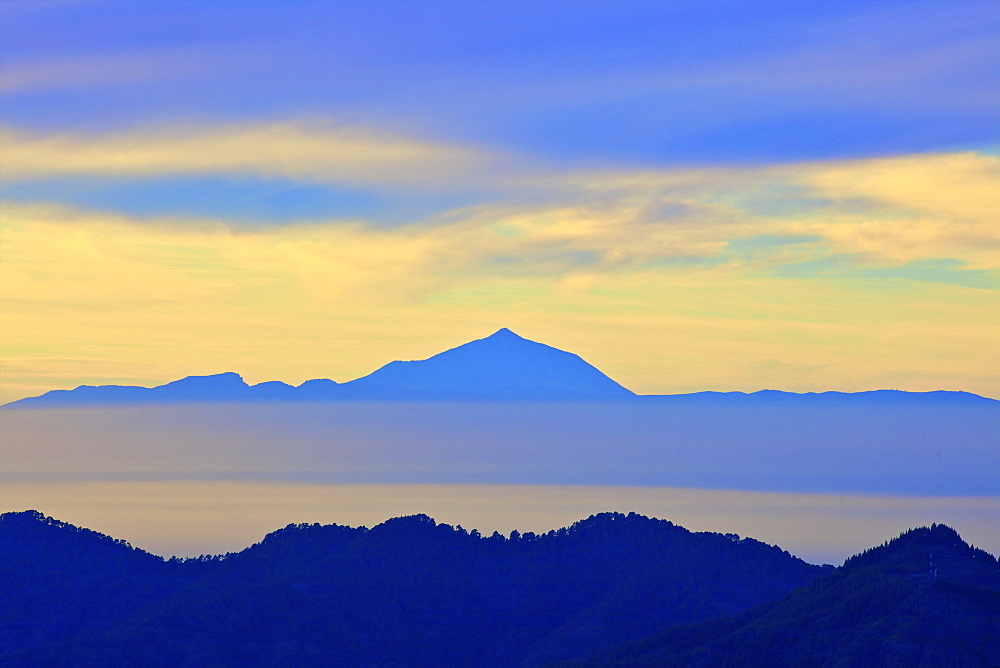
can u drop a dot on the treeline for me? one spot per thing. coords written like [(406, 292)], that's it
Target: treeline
[(610, 590), (925, 598), (409, 592)]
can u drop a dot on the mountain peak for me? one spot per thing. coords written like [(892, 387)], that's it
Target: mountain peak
[(502, 366), (502, 336), (226, 378), (913, 544), (504, 333)]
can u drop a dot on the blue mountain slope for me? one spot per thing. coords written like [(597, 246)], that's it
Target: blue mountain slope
[(500, 367), (872, 398), (503, 366), (218, 387)]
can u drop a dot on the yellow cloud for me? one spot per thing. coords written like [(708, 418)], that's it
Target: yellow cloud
[(888, 210), (664, 279), (316, 152), (894, 210), (959, 186), (913, 207), (660, 305)]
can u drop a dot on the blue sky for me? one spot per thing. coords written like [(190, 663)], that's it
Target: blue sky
[(569, 82)]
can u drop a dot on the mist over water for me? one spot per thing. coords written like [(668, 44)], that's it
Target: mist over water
[(189, 518), (820, 481), (888, 449)]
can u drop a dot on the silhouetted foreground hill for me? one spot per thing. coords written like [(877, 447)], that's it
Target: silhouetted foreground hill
[(411, 592), (408, 592), (923, 599)]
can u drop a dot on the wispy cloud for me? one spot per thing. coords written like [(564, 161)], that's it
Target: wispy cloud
[(896, 209), (146, 66), (312, 152), (726, 277), (914, 207), (710, 284), (887, 210), (539, 221), (648, 82)]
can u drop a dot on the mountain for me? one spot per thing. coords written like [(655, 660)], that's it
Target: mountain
[(924, 599), (873, 398), (625, 589), (59, 581), (500, 367), (408, 592), (218, 387)]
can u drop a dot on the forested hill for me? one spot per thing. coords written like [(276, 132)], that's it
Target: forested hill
[(412, 592), (924, 599), (408, 592)]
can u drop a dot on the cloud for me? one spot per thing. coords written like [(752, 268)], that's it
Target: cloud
[(670, 280), (310, 152), (896, 209), (752, 83), (891, 210), (917, 206), (123, 68), (887, 211)]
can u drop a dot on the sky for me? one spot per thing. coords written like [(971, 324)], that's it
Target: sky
[(690, 195)]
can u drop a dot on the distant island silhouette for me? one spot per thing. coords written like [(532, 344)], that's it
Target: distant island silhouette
[(500, 367)]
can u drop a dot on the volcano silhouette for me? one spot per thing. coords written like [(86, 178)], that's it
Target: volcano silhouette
[(502, 366)]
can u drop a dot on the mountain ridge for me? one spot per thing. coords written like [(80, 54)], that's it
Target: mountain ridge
[(925, 598), (501, 367), (412, 592), (408, 592)]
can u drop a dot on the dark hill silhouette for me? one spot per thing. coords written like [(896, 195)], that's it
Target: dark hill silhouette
[(408, 592), (500, 367), (924, 599), (59, 580), (412, 592)]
